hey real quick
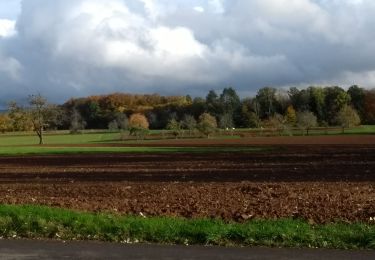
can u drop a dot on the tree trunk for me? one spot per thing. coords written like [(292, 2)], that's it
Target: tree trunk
[(41, 141)]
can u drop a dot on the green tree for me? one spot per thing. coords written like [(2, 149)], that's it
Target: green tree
[(369, 107), (348, 117), (335, 99), (175, 127), (213, 103), (357, 97), (246, 116), (207, 124), (300, 99), (197, 107), (229, 101), (266, 98), (316, 103)]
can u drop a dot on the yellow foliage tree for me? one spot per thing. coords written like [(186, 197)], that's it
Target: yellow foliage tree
[(207, 124), (5, 123), (138, 125), (291, 116)]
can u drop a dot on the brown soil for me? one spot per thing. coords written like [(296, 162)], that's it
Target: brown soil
[(317, 183), (280, 140)]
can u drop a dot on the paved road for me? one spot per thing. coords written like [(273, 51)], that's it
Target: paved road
[(27, 249)]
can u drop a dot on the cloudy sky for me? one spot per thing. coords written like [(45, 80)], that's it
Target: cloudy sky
[(67, 48)]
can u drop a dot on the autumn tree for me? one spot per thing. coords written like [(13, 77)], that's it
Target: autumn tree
[(19, 119), (291, 116), (175, 127), (207, 124), (348, 117), (306, 120), (276, 122), (5, 123), (138, 125)]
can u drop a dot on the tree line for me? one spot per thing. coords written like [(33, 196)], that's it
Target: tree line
[(270, 107)]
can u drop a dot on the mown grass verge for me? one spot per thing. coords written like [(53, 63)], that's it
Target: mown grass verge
[(44, 222)]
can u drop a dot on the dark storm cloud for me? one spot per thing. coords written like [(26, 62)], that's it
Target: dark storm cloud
[(67, 48)]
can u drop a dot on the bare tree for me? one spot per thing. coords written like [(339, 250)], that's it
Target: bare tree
[(226, 121), (306, 120), (42, 114), (77, 124), (189, 123)]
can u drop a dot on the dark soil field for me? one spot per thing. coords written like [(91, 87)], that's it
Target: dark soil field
[(319, 183)]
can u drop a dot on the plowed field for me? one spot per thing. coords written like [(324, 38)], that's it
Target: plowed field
[(318, 183)]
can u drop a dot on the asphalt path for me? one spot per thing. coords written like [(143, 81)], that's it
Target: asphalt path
[(34, 249)]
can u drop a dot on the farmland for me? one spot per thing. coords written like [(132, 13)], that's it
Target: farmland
[(317, 179)]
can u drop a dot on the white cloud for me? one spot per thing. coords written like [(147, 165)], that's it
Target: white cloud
[(199, 9), (7, 28)]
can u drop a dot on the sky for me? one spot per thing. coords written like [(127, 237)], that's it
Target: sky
[(72, 48)]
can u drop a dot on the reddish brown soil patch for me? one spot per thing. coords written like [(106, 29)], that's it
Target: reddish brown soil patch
[(242, 142), (317, 183)]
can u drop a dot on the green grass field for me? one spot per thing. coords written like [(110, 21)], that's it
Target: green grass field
[(45, 150), (59, 138), (26, 143), (43, 222)]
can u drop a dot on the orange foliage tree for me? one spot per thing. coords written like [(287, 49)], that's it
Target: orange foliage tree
[(138, 125)]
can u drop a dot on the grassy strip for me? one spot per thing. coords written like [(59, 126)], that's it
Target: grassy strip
[(44, 222), (48, 150)]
